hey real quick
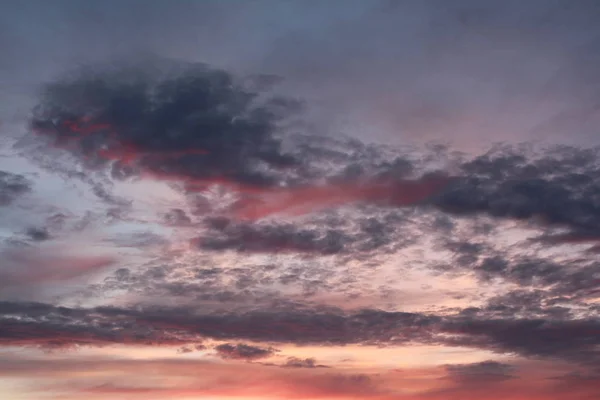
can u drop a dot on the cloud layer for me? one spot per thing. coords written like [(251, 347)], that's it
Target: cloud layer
[(247, 204)]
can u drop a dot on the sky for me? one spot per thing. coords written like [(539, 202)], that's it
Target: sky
[(311, 200)]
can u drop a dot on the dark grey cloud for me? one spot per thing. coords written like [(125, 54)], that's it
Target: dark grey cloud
[(177, 217), (574, 340), (557, 188), (538, 277), (218, 289), (295, 362), (270, 239), (241, 351), (545, 188), (38, 234), (45, 325), (328, 235), (186, 121), (190, 349), (524, 303), (12, 186)]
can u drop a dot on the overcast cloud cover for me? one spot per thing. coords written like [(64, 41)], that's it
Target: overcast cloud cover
[(300, 199)]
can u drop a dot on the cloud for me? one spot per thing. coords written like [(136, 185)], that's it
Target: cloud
[(241, 351), (181, 324), (367, 233), (198, 126), (143, 123), (188, 123), (177, 217), (38, 234), (304, 200), (226, 234), (39, 324), (12, 186), (557, 188), (574, 277), (191, 349), (295, 362), (527, 303), (480, 373), (574, 340)]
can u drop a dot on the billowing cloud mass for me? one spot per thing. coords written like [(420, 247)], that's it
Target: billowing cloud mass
[(324, 200), (194, 124)]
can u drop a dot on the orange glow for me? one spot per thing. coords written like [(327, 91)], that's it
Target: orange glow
[(202, 379)]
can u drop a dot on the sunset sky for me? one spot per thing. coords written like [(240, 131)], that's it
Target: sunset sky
[(300, 199)]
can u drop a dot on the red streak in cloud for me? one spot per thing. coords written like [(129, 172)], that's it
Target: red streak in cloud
[(300, 201), (78, 127), (127, 154), (257, 202), (120, 151)]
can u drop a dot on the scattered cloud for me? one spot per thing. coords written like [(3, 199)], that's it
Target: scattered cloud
[(12, 186), (480, 373), (241, 351), (295, 362)]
